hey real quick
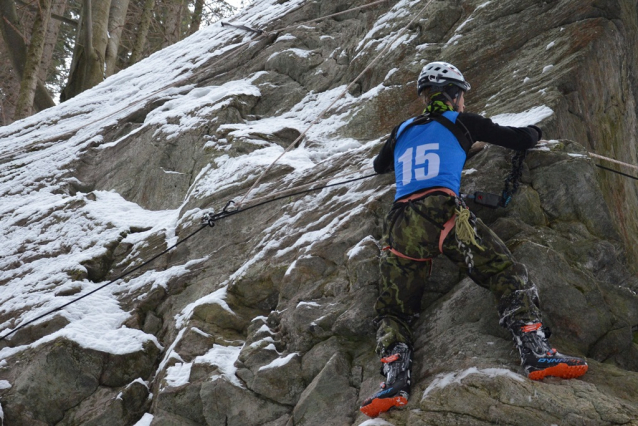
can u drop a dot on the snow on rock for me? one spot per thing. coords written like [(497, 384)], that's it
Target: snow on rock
[(146, 420), (279, 362), (526, 118), (286, 264), (357, 249), (223, 357), (178, 374), (444, 380), (376, 422)]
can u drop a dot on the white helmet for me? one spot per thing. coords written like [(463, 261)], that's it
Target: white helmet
[(441, 74)]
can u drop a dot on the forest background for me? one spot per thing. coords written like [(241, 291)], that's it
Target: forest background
[(52, 50)]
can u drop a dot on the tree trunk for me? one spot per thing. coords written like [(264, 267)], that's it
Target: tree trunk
[(172, 21), (116, 25), (57, 8), (142, 33), (32, 64), (87, 67), (16, 46), (197, 17)]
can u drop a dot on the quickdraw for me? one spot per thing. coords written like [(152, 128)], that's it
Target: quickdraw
[(210, 218)]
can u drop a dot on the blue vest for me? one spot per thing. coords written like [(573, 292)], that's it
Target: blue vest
[(427, 156)]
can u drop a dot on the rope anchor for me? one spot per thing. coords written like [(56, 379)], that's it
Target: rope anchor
[(210, 218)]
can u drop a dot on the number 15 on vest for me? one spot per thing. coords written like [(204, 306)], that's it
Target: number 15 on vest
[(425, 164)]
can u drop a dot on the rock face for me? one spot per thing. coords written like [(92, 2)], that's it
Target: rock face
[(266, 319)]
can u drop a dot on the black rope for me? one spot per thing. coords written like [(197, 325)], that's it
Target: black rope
[(102, 286), (209, 220), (513, 180), (616, 171)]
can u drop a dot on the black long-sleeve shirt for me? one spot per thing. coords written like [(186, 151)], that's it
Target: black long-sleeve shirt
[(480, 129)]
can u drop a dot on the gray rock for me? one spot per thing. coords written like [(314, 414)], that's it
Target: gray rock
[(50, 381), (110, 406), (329, 398), (305, 288), (225, 403)]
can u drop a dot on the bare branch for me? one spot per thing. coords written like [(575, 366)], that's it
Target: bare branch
[(53, 15)]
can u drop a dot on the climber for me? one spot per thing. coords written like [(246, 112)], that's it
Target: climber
[(427, 154)]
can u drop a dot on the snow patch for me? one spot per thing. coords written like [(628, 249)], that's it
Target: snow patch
[(178, 374), (526, 118), (301, 53), (360, 246), (454, 40), (390, 73), (310, 304), (376, 422), (444, 380), (146, 420), (286, 37), (217, 297), (279, 362), (223, 357)]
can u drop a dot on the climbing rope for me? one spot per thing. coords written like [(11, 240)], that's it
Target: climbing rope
[(591, 154), (240, 48), (464, 230), (600, 157), (365, 6), (513, 180), (342, 94), (137, 268), (208, 219), (616, 171)]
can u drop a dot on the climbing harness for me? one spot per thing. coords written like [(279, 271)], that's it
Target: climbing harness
[(211, 218), (463, 221), (512, 182)]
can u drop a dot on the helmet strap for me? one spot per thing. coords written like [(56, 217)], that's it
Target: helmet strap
[(454, 102)]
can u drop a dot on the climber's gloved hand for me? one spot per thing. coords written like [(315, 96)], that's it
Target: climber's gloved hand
[(539, 131)]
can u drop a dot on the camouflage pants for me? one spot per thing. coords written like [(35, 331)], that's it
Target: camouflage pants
[(414, 229)]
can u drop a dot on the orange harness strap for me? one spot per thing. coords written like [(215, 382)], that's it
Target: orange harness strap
[(447, 226), (401, 255)]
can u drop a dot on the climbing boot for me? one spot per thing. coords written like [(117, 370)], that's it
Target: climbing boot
[(541, 360), (395, 391)]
